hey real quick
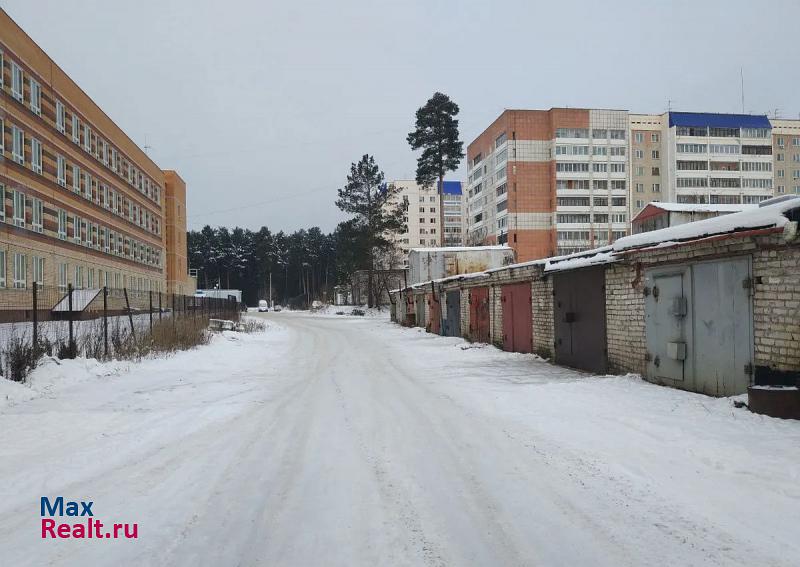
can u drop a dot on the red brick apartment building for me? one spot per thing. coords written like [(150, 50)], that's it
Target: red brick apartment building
[(549, 182)]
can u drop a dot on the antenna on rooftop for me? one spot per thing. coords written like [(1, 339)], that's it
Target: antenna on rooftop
[(146, 147), (741, 74)]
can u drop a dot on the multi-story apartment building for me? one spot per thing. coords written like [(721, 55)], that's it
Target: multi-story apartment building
[(425, 211), (82, 204), (549, 181), (786, 152), (563, 180), (422, 218), (452, 203)]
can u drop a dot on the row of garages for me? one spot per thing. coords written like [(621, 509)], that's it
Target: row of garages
[(708, 312), (500, 310)]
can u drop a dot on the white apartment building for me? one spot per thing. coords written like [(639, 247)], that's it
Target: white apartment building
[(422, 217)]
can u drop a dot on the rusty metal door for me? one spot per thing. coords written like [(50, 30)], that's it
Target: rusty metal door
[(579, 319), (453, 321), (479, 314), (517, 317), (435, 314), (411, 314)]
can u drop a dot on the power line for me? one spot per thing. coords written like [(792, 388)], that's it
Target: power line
[(261, 203)]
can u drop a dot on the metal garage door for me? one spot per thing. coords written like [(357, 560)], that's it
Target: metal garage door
[(699, 326), (435, 314), (420, 301), (411, 314), (722, 326), (479, 314), (452, 324), (667, 324), (517, 317), (579, 319)]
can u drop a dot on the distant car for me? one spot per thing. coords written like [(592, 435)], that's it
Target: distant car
[(276, 308), (316, 304), (262, 306)]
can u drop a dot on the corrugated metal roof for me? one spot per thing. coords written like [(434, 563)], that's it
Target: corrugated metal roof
[(700, 119)]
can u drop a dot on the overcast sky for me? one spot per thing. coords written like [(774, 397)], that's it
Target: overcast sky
[(261, 106)]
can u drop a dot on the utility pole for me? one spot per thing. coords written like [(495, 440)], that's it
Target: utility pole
[(270, 290)]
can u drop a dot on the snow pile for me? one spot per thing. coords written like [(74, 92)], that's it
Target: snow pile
[(770, 216)]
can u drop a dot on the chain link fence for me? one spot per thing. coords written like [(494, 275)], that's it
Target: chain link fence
[(100, 323)]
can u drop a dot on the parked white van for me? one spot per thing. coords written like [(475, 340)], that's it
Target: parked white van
[(262, 306)]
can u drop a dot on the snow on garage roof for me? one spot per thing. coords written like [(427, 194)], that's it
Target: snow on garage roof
[(699, 208), (461, 248), (769, 216)]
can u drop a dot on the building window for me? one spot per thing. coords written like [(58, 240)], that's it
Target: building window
[(61, 117), (36, 97), (38, 270), (76, 178), (617, 134), (655, 171), (2, 129), (656, 187), (87, 185), (90, 278), (655, 154), (62, 224), (638, 154), (61, 170), (16, 81), (640, 187), (619, 217), (36, 156), (654, 137), (76, 129), (17, 145), (2, 202), (2, 268), (87, 138), (37, 214), (779, 157), (19, 209), (639, 137), (617, 168), (20, 271), (78, 280), (62, 276), (76, 229)]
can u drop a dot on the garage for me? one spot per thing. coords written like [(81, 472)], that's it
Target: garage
[(517, 317), (452, 321), (479, 314), (434, 314), (419, 303), (698, 323), (579, 319)]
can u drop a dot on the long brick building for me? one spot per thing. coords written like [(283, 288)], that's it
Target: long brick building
[(82, 204)]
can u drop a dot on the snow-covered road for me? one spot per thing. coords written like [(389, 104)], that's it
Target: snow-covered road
[(350, 441)]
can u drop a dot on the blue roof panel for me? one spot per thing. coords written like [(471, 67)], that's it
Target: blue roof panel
[(700, 119), (451, 188)]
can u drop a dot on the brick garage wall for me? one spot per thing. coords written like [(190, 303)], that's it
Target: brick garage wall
[(776, 307), (496, 316), (776, 299), (465, 314), (542, 305), (625, 330)]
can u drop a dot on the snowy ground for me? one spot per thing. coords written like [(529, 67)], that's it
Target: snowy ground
[(350, 441)]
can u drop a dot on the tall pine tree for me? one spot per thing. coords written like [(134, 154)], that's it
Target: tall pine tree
[(366, 196), (436, 133)]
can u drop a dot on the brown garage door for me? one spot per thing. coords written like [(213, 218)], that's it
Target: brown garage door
[(435, 323), (479, 314), (517, 317)]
